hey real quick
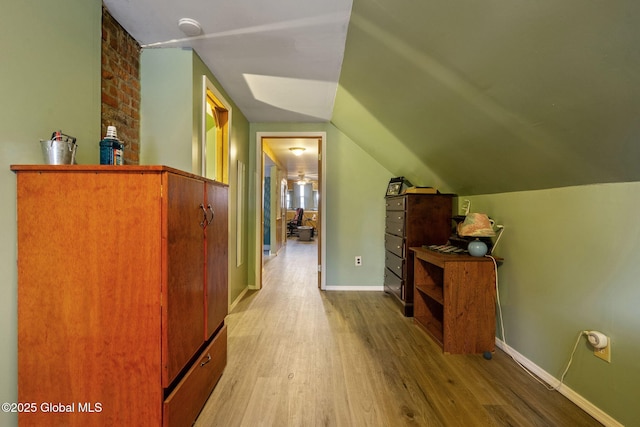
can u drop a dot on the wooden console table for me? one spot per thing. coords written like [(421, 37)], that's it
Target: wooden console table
[(454, 300)]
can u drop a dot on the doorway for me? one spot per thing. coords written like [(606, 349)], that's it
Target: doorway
[(278, 173), (216, 123)]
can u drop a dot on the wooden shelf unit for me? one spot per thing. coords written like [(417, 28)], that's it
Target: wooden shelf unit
[(454, 300)]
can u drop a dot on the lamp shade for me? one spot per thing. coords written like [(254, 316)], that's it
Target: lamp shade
[(476, 225)]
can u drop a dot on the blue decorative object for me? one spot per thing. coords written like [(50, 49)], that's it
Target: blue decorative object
[(477, 248)]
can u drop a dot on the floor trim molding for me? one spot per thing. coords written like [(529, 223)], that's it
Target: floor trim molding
[(567, 392), (354, 288), (238, 299)]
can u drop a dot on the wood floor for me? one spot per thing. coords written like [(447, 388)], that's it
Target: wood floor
[(302, 357)]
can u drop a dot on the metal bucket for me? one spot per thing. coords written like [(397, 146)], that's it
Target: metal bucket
[(58, 152)]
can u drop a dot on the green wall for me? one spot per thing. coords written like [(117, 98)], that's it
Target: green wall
[(571, 263), (170, 132), (166, 110), (49, 79), (354, 197)]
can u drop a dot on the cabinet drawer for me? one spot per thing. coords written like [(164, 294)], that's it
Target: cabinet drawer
[(396, 203), (395, 264), (185, 402), (394, 227), (394, 244), (395, 216), (393, 283)]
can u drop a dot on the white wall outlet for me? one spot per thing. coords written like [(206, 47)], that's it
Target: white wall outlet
[(358, 261)]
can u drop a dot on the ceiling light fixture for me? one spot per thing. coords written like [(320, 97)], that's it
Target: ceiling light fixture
[(190, 27), (297, 151)]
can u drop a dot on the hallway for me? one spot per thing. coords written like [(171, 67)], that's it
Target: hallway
[(302, 357)]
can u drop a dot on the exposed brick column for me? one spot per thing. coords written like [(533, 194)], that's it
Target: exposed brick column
[(121, 86)]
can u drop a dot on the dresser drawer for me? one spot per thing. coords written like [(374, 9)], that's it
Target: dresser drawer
[(395, 216), (185, 402), (394, 263), (393, 283), (394, 227), (394, 244), (396, 203)]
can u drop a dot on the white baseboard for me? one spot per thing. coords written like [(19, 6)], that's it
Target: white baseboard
[(238, 299), (580, 401), (354, 288)]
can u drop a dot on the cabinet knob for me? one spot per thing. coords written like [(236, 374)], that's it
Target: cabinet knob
[(208, 359)]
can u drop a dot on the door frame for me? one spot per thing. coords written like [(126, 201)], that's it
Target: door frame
[(322, 137)]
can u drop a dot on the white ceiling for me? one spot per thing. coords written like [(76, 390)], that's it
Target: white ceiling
[(305, 164), (279, 60)]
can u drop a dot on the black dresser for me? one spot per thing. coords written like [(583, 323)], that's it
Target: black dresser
[(412, 220)]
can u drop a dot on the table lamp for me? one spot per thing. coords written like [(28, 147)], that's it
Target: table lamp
[(476, 225)]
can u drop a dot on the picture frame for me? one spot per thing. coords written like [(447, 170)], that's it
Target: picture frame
[(396, 186)]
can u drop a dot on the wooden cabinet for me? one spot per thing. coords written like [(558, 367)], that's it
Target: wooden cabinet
[(455, 300), (412, 220), (122, 294)]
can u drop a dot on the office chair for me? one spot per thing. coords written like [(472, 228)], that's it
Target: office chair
[(295, 222)]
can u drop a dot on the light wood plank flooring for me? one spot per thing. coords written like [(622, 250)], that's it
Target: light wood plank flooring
[(302, 357)]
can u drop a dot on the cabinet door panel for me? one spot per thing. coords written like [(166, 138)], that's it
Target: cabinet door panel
[(183, 296), (217, 233), (88, 317)]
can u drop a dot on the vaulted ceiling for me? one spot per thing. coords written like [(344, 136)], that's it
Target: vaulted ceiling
[(477, 97), (496, 96)]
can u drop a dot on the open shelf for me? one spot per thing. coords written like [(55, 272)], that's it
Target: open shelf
[(433, 291)]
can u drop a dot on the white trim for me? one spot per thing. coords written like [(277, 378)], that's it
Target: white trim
[(354, 288), (323, 210), (238, 299), (579, 401), (207, 84)]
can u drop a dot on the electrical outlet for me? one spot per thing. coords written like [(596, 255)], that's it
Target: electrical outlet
[(604, 353), (358, 261)]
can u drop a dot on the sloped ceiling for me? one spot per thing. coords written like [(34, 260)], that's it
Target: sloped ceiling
[(495, 96), (279, 60), (470, 96)]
